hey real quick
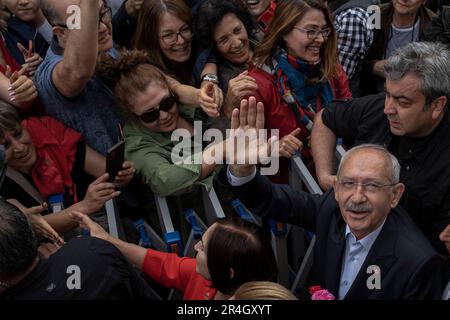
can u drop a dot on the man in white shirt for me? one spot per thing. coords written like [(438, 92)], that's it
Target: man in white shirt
[(366, 246)]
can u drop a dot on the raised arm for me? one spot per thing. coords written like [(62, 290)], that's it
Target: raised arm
[(135, 254), (80, 53), (263, 198), (194, 97)]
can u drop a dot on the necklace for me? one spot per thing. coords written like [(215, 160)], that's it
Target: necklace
[(5, 284)]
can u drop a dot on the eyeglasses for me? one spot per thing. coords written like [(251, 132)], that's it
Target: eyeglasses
[(165, 105), (105, 16), (172, 37), (369, 187), (313, 34)]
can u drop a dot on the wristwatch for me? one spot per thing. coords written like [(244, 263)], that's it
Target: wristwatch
[(211, 77)]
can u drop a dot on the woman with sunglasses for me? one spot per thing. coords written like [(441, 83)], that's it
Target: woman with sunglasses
[(152, 113), (298, 74)]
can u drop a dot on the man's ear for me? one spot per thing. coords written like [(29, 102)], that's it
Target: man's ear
[(438, 107), (335, 186), (60, 33), (397, 192)]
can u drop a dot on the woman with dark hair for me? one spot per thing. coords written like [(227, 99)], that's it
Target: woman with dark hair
[(164, 32), (298, 74), (227, 27), (231, 252)]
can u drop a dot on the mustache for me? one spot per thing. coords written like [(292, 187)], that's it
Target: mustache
[(359, 207), (392, 118)]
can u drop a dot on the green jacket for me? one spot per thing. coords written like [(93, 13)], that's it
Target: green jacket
[(151, 153)]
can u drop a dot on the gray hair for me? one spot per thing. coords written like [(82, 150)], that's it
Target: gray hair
[(395, 165), (430, 62)]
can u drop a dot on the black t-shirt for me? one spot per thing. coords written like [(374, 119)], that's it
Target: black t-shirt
[(104, 274), (425, 162)]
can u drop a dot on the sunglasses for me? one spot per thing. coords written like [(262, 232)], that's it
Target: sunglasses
[(165, 105)]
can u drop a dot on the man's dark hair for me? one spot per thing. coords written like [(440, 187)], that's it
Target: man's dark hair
[(242, 246), (18, 246)]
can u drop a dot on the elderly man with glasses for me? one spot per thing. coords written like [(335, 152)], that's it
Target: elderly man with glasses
[(411, 120), (366, 246)]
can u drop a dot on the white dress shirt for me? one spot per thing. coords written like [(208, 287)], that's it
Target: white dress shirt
[(355, 253), (239, 181)]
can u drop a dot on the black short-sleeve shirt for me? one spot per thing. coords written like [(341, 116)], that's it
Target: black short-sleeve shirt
[(103, 271)]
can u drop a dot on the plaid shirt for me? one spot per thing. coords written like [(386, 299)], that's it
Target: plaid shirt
[(354, 38)]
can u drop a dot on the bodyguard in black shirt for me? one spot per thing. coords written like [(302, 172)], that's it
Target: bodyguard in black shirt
[(411, 120), (82, 269)]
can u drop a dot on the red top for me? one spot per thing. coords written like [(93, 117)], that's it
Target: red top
[(277, 113), (56, 147), (7, 57), (279, 116), (173, 271)]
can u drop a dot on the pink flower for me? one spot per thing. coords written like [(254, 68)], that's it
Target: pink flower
[(317, 293)]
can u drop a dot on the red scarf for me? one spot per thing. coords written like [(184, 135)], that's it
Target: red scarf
[(263, 21), (9, 60), (56, 147)]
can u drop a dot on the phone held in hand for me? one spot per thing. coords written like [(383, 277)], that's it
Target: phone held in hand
[(115, 159)]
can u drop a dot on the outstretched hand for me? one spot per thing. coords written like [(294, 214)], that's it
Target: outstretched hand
[(210, 99), (97, 194), (249, 139), (37, 221), (86, 223)]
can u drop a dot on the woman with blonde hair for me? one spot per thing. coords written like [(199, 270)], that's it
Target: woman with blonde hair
[(262, 290), (298, 73)]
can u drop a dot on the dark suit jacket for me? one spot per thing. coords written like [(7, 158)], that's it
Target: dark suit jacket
[(410, 268)]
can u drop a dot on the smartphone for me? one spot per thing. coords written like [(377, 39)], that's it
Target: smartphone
[(115, 159)]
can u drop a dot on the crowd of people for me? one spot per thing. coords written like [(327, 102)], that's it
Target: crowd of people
[(371, 75)]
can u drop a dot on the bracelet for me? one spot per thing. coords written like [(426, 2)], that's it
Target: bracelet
[(211, 77)]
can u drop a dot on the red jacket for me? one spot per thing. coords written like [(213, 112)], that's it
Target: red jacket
[(277, 113), (279, 116), (56, 147), (172, 271), (9, 60)]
